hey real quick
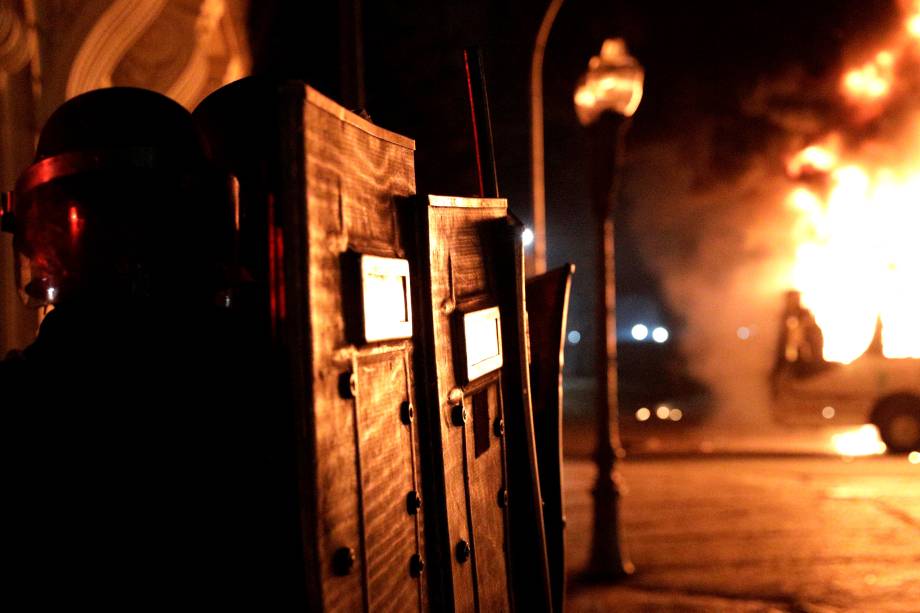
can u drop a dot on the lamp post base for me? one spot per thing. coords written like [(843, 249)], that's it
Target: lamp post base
[(609, 560)]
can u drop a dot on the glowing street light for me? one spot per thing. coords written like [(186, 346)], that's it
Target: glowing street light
[(613, 83), (609, 91)]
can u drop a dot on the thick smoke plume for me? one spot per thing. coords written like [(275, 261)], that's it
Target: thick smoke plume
[(723, 251), (711, 207)]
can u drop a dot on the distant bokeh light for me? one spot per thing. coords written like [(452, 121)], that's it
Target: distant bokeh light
[(527, 237), (640, 332)]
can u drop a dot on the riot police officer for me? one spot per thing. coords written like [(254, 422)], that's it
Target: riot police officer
[(124, 438)]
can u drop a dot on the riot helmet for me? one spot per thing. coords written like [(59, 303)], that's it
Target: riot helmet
[(119, 203)]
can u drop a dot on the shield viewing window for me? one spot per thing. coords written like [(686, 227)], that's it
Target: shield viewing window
[(481, 342), (385, 298)]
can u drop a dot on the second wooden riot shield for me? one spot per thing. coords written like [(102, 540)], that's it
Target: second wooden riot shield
[(475, 409)]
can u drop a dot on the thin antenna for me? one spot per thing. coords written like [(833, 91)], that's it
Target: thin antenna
[(482, 123)]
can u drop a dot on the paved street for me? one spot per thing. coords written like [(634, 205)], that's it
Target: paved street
[(782, 533)]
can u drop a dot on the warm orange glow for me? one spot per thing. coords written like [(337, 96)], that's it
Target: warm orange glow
[(858, 259), (613, 83), (585, 97), (871, 81), (913, 26), (884, 58), (813, 157), (857, 256), (862, 441)]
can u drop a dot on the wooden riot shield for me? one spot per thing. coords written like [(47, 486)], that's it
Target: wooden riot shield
[(475, 409), (322, 256)]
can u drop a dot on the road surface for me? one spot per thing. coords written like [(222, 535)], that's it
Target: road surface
[(760, 533)]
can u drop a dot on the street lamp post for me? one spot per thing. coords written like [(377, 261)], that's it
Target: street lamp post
[(607, 96), (537, 171)]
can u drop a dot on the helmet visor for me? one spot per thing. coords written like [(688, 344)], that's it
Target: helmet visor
[(50, 226)]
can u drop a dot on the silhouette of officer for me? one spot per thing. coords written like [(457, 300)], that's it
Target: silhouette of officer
[(127, 463)]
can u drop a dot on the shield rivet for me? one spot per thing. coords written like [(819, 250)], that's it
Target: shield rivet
[(458, 415), (406, 412), (343, 561), (416, 565), (462, 551), (413, 502)]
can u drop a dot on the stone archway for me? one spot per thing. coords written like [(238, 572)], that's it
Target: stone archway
[(52, 50), (182, 48)]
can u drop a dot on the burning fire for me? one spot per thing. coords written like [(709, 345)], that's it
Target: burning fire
[(814, 158), (872, 80), (858, 229), (862, 441)]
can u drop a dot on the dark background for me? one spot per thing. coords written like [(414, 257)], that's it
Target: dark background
[(401, 61)]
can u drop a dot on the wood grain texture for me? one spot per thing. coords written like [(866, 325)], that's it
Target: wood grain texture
[(317, 183), (458, 275), (486, 480), (387, 477), (365, 459)]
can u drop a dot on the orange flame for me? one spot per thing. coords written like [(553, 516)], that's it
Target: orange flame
[(913, 20), (814, 157), (862, 441), (857, 259), (872, 80), (913, 26)]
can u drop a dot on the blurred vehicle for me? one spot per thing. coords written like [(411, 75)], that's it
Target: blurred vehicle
[(871, 389)]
